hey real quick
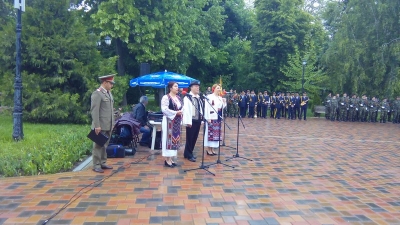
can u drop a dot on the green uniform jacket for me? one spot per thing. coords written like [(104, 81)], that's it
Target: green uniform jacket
[(102, 109)]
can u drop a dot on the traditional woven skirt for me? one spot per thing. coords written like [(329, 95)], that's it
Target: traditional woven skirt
[(173, 133), (214, 131)]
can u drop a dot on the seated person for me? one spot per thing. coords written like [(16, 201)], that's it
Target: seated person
[(139, 113)]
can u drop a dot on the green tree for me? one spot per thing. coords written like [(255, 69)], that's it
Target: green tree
[(60, 64), (281, 27), (363, 54)]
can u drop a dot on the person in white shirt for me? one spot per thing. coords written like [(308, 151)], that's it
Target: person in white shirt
[(192, 118), (213, 107), (171, 106)]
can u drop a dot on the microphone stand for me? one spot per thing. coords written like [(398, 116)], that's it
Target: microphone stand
[(237, 142), (219, 137), (201, 167), (223, 139)]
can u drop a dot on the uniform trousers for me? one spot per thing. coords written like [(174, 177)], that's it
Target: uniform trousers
[(99, 153)]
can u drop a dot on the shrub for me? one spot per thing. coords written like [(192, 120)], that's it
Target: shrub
[(45, 148)]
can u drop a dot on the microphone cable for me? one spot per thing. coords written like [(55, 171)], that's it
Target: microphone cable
[(93, 185)]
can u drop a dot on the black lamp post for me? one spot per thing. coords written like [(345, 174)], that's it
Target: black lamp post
[(302, 82), (18, 132)]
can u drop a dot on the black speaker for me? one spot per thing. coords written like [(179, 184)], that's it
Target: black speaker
[(144, 69)]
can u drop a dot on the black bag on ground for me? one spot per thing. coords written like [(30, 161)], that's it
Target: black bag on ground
[(115, 151), (157, 142), (130, 151)]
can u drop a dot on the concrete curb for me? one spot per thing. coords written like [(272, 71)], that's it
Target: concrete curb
[(83, 165)]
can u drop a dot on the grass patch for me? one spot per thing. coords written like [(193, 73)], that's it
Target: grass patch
[(45, 149)]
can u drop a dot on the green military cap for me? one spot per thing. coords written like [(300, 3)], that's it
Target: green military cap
[(109, 78)]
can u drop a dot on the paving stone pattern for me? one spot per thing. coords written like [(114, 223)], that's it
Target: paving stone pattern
[(303, 172)]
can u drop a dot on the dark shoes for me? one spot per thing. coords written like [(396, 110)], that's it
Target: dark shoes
[(106, 167), (103, 167), (168, 165), (192, 159), (98, 170)]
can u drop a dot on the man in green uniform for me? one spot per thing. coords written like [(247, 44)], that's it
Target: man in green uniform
[(343, 107), (352, 108), (328, 106), (385, 108), (373, 110), (102, 111), (334, 107)]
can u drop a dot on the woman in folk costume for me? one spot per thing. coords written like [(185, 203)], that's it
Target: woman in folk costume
[(212, 108), (171, 106)]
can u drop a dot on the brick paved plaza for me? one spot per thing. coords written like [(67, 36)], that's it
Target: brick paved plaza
[(304, 172)]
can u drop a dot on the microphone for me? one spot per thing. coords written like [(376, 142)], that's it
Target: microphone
[(203, 96)]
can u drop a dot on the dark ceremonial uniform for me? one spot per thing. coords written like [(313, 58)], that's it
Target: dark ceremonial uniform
[(242, 105), (260, 103), (304, 106), (252, 105), (291, 114), (286, 107), (297, 107), (279, 106), (273, 106), (265, 106)]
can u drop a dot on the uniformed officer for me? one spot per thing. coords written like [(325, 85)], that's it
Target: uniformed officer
[(102, 111), (304, 105), (252, 104), (265, 105), (287, 104), (279, 105), (260, 103), (352, 108), (292, 102), (242, 104), (385, 108), (373, 109), (343, 105), (273, 105), (334, 107), (297, 106), (328, 106), (363, 108)]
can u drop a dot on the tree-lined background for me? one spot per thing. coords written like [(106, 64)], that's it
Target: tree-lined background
[(350, 46)]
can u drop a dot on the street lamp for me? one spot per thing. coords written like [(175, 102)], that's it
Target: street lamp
[(107, 40), (302, 83), (18, 133)]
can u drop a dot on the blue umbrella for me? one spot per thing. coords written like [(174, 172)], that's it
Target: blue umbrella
[(161, 79)]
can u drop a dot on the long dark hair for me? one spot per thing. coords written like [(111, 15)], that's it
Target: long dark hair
[(170, 84)]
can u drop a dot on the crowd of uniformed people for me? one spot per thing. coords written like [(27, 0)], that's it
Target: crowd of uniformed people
[(262, 105), (361, 109)]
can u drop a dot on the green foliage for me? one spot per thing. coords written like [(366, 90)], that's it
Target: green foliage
[(60, 63), (281, 28), (314, 77), (363, 55), (45, 149)]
